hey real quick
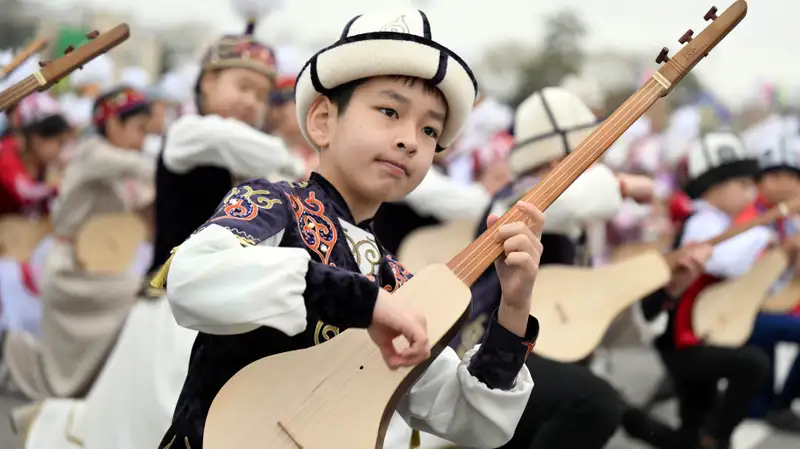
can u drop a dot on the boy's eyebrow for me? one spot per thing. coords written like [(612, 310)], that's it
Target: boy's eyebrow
[(396, 96)]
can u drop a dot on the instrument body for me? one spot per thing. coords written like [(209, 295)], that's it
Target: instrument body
[(107, 244), (785, 300), (576, 305), (350, 389), (355, 394), (724, 313)]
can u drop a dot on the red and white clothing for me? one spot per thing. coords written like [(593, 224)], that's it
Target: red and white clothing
[(20, 191)]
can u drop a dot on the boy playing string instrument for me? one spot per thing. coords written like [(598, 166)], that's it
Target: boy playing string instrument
[(284, 266), (721, 186), (779, 181)]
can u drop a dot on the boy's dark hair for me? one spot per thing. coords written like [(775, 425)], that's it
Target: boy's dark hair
[(341, 95), (125, 114), (52, 126)]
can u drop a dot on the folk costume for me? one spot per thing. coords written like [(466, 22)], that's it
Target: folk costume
[(548, 125), (205, 154), (82, 312), (283, 266), (779, 154), (694, 366)]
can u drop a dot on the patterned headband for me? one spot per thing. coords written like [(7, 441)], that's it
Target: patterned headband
[(114, 105), (240, 52), (284, 90)]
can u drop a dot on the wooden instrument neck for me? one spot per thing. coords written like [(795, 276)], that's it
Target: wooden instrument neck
[(469, 264), (782, 210)]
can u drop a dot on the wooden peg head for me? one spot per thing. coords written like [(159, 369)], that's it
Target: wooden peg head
[(663, 56), (68, 50), (42, 64), (687, 37), (92, 34), (711, 14)]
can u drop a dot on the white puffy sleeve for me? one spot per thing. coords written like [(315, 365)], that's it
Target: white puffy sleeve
[(463, 201), (478, 401), (733, 257), (595, 195), (195, 140)]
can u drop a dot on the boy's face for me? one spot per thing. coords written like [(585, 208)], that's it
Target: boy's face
[(236, 93), (779, 185), (129, 134), (382, 146), (733, 195)]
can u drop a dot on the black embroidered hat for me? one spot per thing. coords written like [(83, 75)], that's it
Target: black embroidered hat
[(715, 158), (384, 43), (548, 125)]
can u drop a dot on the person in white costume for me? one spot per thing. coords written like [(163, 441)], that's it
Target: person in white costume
[(82, 312)]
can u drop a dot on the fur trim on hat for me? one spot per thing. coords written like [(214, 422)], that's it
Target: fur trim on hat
[(384, 44)]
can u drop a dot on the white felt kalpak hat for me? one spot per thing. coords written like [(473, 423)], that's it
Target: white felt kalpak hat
[(715, 158), (385, 43), (547, 126), (777, 150)]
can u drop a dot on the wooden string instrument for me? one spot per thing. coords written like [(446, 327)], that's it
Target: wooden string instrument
[(32, 48), (74, 58), (577, 305), (341, 394), (724, 313)]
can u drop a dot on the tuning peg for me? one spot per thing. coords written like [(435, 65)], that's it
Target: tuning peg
[(68, 50), (92, 34), (663, 56), (711, 14), (42, 64), (687, 37)]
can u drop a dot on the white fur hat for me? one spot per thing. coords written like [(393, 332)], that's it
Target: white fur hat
[(135, 77), (715, 158), (384, 43), (547, 126), (779, 152), (99, 70)]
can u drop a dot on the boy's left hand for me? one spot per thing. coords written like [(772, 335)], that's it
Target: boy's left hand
[(518, 265)]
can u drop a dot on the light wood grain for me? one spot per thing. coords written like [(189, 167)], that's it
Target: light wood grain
[(724, 313), (575, 305), (108, 243), (319, 397)]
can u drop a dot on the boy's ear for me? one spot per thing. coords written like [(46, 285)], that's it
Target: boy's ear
[(319, 121)]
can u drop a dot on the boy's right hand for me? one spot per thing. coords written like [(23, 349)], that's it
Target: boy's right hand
[(392, 318), (689, 264)]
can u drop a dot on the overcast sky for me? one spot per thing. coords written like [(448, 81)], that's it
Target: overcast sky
[(763, 47)]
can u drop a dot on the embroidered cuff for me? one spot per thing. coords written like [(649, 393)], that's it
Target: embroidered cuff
[(502, 354), (340, 298)]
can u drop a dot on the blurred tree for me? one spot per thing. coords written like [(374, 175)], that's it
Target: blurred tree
[(561, 54)]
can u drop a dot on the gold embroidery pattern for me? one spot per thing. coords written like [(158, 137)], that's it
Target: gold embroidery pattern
[(324, 332), (472, 334), (365, 251), (244, 203), (171, 442)]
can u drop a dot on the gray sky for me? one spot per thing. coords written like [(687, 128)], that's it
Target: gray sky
[(763, 47)]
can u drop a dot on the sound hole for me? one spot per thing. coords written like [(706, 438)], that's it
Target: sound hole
[(361, 367)]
